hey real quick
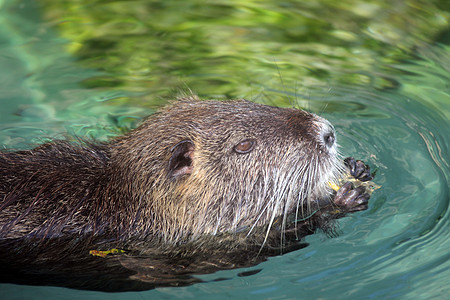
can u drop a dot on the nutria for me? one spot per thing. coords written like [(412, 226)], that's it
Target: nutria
[(199, 186)]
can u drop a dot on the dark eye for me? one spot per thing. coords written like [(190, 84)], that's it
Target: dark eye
[(245, 146)]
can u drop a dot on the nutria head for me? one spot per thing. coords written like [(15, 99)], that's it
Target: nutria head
[(204, 167)]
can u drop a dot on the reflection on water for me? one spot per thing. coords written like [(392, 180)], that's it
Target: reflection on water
[(379, 71)]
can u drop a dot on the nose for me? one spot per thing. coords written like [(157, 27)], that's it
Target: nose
[(329, 138), (327, 134)]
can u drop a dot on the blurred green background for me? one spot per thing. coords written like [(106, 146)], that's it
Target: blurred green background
[(232, 49)]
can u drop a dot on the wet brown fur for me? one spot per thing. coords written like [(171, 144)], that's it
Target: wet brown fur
[(128, 192)]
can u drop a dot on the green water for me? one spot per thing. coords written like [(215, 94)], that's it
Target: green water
[(378, 70)]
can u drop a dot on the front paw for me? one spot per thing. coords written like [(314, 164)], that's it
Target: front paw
[(358, 169), (352, 199)]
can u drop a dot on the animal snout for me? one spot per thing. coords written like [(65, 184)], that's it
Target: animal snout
[(327, 134), (329, 138)]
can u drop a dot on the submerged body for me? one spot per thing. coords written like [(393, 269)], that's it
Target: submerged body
[(194, 185)]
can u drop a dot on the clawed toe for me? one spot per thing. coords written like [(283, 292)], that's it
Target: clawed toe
[(351, 198), (358, 169)]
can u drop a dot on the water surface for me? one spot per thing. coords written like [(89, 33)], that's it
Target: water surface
[(378, 70)]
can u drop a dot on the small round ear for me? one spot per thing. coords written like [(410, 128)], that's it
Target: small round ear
[(180, 162)]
